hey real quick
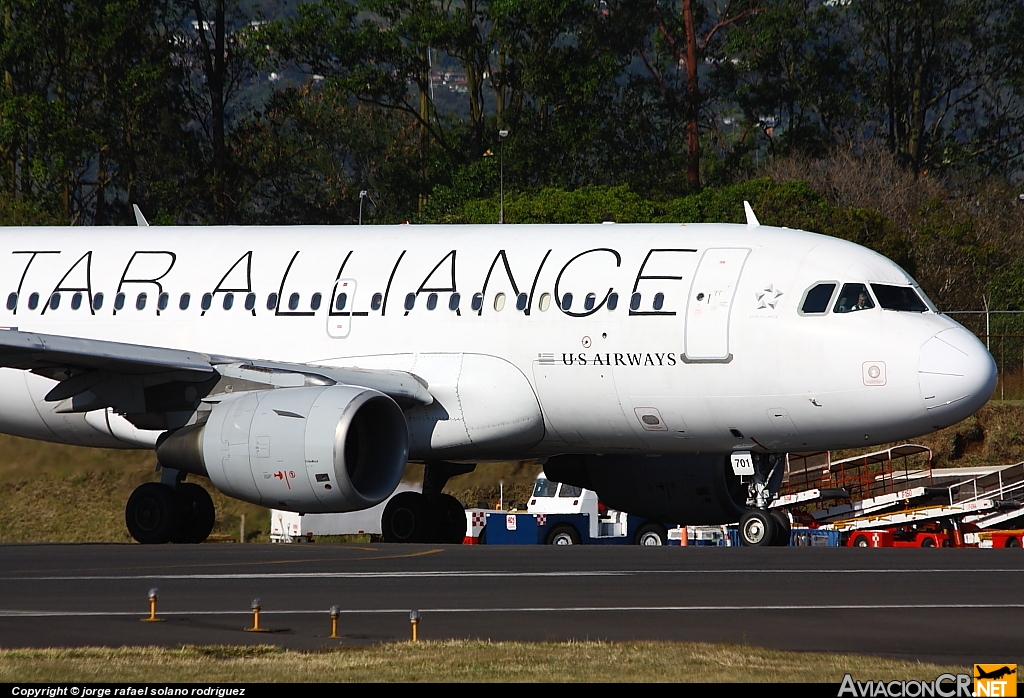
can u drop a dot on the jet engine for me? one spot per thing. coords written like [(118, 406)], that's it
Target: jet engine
[(310, 449), (685, 489)]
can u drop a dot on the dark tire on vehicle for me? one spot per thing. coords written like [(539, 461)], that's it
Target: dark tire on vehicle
[(782, 528), (651, 534), (1012, 542), (757, 528), (482, 538), (450, 520), (860, 542), (198, 514), (563, 534), (928, 542), (153, 513), (407, 519)]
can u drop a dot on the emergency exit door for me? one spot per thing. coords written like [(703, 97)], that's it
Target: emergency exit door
[(709, 306)]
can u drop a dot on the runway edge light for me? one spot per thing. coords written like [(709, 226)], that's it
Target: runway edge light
[(153, 596)]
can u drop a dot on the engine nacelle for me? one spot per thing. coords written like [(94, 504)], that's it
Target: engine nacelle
[(687, 490), (313, 449)]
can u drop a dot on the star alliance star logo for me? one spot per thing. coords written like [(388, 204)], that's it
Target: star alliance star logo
[(768, 297)]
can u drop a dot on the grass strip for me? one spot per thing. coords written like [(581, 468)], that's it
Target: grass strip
[(456, 660)]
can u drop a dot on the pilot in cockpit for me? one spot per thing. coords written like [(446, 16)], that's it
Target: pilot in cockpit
[(850, 292)]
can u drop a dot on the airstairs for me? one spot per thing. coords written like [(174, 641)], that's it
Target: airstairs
[(898, 487)]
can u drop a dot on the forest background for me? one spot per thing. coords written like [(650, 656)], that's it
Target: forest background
[(898, 124)]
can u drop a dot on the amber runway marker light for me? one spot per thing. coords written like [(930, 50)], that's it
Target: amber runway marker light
[(256, 608), (414, 622), (152, 608)]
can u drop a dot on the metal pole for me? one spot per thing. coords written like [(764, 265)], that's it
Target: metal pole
[(502, 135), (362, 195)]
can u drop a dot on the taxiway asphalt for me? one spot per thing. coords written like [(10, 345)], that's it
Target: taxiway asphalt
[(955, 606)]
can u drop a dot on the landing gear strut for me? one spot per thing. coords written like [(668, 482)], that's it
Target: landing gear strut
[(759, 526), (169, 511), (431, 517)]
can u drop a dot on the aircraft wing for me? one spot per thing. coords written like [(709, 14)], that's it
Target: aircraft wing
[(128, 377)]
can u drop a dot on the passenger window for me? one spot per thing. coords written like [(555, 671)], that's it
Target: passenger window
[(569, 491), (898, 298), (250, 301), (161, 301), (376, 301), (634, 302), (499, 302), (97, 301), (431, 301), (293, 301), (272, 301), (54, 301), (76, 301), (521, 300), (12, 301), (478, 301), (184, 300), (453, 302), (410, 301), (207, 301), (566, 301), (118, 301), (140, 301), (659, 301), (339, 304), (33, 301), (588, 302), (854, 297), (545, 302), (314, 302), (545, 488), (613, 301), (817, 299), (229, 301)]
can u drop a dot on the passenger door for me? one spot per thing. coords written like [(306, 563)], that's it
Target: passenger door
[(709, 306)]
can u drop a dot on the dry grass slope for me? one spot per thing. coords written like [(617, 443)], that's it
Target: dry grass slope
[(457, 660)]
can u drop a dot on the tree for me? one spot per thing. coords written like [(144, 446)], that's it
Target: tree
[(941, 79)]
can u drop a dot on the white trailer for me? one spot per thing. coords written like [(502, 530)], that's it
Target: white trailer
[(288, 526)]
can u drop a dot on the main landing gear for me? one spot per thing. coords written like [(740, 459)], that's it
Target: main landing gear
[(170, 511), (431, 517)]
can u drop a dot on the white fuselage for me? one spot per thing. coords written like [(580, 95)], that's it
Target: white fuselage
[(715, 356)]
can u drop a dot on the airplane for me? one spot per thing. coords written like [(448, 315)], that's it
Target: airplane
[(669, 367)]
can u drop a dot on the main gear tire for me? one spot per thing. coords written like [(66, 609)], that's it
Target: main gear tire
[(450, 520), (198, 514), (407, 519), (153, 513)]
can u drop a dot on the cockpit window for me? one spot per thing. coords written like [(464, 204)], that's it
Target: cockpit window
[(545, 488), (817, 299), (854, 297), (898, 298)]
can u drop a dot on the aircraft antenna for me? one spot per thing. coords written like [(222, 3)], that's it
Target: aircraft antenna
[(139, 218), (751, 218)]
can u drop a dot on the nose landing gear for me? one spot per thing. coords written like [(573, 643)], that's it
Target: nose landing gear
[(759, 526)]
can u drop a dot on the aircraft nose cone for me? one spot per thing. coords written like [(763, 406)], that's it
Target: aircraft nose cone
[(957, 375)]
